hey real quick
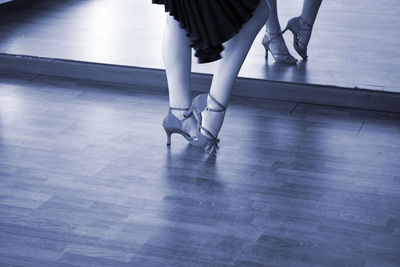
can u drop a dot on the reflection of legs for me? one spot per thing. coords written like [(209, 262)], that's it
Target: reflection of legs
[(272, 25), (177, 61), (310, 10), (273, 40), (228, 67), (309, 14), (301, 26)]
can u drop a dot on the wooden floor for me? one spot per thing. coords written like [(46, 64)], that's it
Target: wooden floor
[(87, 180), (354, 43)]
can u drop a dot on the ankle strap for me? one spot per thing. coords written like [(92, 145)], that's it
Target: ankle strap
[(212, 137), (183, 109), (273, 35), (186, 115), (222, 107), (305, 22)]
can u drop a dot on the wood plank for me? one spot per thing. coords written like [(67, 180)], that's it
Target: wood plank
[(87, 180)]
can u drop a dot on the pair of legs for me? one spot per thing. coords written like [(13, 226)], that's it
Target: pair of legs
[(309, 13), (273, 29), (177, 61)]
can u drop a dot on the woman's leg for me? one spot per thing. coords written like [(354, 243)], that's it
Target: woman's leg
[(272, 25), (310, 10), (228, 67), (177, 61), (273, 40), (302, 25)]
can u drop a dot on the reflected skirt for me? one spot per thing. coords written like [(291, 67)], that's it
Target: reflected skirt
[(210, 23)]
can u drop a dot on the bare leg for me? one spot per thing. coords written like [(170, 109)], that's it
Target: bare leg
[(177, 61), (310, 10), (304, 25), (273, 40), (228, 67), (272, 25), (176, 46)]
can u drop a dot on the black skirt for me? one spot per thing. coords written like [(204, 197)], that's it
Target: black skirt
[(209, 23)]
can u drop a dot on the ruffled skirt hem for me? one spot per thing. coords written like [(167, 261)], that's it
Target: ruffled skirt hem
[(210, 23)]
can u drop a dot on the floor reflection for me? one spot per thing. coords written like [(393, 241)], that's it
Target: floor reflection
[(130, 33)]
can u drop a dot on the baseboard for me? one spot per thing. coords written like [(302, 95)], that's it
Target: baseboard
[(156, 79)]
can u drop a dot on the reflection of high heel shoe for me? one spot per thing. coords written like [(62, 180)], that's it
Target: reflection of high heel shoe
[(270, 42), (301, 30), (173, 125), (206, 139)]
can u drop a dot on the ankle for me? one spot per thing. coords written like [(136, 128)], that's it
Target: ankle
[(178, 113), (304, 24), (215, 104), (273, 36), (273, 32), (212, 116), (212, 121)]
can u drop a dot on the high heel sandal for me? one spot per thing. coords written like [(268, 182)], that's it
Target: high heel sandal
[(286, 57), (207, 141), (301, 35), (173, 125)]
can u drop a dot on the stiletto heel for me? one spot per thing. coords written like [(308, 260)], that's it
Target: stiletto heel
[(285, 57), (301, 34), (207, 141), (168, 138), (173, 125)]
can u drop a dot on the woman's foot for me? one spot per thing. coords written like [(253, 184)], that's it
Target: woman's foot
[(178, 121), (212, 117), (275, 43), (210, 114), (211, 121), (189, 125), (301, 34)]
